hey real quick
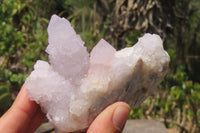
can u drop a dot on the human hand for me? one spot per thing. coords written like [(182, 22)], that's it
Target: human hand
[(111, 120), (25, 116)]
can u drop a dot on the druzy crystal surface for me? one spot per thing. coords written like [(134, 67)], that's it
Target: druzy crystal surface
[(75, 86)]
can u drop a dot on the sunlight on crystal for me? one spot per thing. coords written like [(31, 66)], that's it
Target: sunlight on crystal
[(75, 86)]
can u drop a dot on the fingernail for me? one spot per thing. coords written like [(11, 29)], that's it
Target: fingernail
[(120, 116)]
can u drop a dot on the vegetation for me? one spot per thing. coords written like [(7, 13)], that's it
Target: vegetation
[(23, 39)]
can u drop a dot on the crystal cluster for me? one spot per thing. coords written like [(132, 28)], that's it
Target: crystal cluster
[(75, 86)]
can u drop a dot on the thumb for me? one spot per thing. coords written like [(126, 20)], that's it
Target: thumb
[(111, 120)]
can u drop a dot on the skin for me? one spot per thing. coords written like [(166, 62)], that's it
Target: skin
[(25, 116)]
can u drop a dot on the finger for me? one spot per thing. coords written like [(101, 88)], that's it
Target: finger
[(36, 120), (18, 117), (111, 120), (24, 103)]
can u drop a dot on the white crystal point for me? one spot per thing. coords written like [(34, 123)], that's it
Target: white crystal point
[(74, 88), (67, 46), (102, 53), (48, 88), (100, 61), (152, 59)]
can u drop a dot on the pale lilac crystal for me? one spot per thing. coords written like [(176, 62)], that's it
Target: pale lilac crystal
[(101, 53), (74, 88), (67, 54)]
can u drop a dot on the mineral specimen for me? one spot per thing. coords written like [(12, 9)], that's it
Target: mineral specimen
[(74, 87)]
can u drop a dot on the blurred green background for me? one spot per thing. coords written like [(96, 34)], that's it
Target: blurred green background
[(23, 39)]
